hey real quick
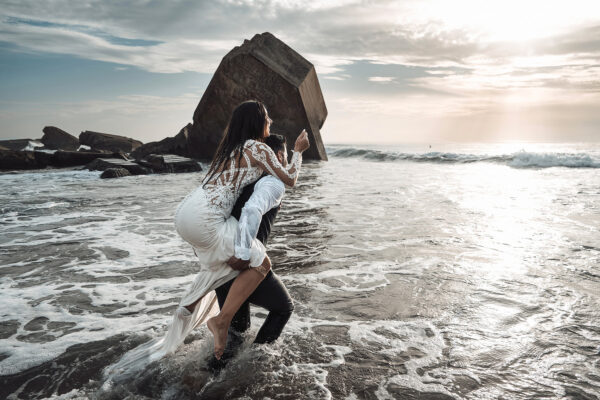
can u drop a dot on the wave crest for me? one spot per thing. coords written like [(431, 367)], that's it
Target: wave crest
[(545, 160), (521, 159)]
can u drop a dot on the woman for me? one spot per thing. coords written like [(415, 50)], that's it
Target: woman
[(203, 218)]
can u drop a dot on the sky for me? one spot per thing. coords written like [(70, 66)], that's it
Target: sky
[(390, 71)]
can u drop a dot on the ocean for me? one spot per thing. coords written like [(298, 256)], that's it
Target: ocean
[(442, 271)]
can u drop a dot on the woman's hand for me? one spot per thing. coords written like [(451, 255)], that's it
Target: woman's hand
[(302, 142), (237, 264)]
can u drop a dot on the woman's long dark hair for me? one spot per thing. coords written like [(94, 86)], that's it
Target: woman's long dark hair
[(247, 122)]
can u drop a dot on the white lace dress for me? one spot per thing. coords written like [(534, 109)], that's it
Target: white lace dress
[(203, 220)]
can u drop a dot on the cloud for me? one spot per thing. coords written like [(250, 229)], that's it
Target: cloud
[(164, 57), (132, 105), (193, 36), (381, 79), (466, 57), (84, 29), (143, 117), (342, 77)]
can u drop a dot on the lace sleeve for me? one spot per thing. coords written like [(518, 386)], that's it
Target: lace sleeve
[(263, 156)]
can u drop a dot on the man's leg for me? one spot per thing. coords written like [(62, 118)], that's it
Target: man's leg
[(272, 295)]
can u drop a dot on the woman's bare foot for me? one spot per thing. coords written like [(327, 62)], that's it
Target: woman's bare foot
[(219, 331)]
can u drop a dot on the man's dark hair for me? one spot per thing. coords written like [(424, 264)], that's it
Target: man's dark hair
[(275, 142)]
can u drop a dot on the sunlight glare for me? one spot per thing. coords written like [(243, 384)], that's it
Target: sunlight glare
[(511, 20)]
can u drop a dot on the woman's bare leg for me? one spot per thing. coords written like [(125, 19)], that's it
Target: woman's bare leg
[(243, 286)]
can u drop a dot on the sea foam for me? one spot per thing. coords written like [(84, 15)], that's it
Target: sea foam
[(521, 159)]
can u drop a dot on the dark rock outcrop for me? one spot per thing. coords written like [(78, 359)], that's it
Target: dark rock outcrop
[(114, 173), (87, 149), (15, 144), (102, 164), (170, 163), (107, 141), (266, 69), (12, 159), (171, 145), (22, 160), (57, 139), (43, 158), (15, 160), (73, 158)]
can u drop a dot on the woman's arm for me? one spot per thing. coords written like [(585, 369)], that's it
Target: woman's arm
[(263, 156)]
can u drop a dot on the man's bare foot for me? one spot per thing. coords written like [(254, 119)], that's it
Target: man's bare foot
[(219, 331)]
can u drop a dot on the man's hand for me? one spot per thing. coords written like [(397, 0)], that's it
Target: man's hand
[(237, 264)]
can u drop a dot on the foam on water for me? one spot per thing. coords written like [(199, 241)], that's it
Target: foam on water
[(360, 277), (115, 241), (476, 281), (546, 160), (32, 145), (521, 159), (417, 342)]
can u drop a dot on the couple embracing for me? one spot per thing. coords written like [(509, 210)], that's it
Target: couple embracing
[(227, 220)]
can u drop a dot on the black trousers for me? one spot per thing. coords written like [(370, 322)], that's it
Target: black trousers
[(271, 294)]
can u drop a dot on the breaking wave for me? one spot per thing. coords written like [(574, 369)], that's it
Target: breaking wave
[(521, 159)]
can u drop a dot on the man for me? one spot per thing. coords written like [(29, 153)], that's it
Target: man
[(256, 210)]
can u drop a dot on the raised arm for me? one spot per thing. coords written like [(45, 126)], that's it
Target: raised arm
[(263, 156)]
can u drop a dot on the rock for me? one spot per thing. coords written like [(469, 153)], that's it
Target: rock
[(73, 158), (83, 147), (106, 141), (4, 148), (12, 159), (114, 173), (153, 161), (43, 158), (171, 145), (102, 164), (15, 144), (263, 68), (170, 163), (88, 149), (55, 138)]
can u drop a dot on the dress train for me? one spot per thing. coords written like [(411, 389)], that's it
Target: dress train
[(182, 324)]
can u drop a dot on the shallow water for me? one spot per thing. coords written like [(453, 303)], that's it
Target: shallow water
[(459, 274)]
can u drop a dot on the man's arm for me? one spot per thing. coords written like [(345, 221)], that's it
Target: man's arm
[(268, 193)]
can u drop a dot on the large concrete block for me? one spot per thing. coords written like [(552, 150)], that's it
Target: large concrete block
[(265, 69)]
